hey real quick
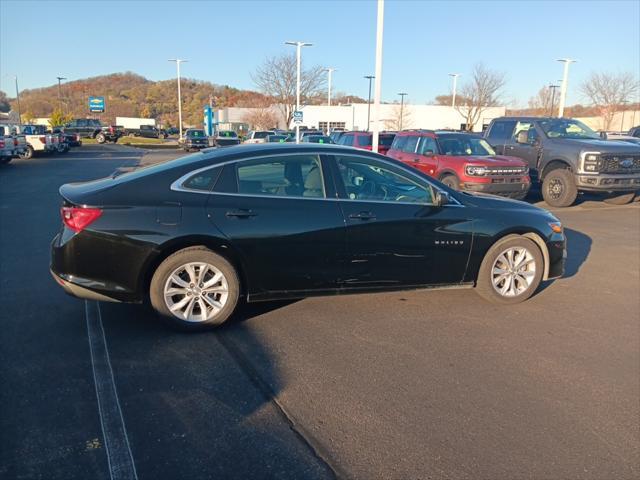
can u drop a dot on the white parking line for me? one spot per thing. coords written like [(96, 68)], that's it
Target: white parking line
[(121, 465)]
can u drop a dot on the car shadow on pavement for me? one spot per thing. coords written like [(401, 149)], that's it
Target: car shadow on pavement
[(578, 249), (196, 401)]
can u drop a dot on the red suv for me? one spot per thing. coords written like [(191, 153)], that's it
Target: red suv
[(363, 140), (462, 161)]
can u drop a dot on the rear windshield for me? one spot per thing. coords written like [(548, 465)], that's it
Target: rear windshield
[(227, 134), (195, 133), (262, 134)]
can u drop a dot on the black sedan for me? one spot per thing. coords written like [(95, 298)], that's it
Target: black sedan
[(277, 221)]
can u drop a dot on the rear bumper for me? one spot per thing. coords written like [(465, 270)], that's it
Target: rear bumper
[(78, 290), (608, 183)]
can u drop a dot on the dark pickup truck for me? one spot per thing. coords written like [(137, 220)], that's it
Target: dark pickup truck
[(567, 156), (93, 128), (146, 131)]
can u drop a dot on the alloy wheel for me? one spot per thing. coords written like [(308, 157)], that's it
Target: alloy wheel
[(513, 271), (555, 188), (196, 292)]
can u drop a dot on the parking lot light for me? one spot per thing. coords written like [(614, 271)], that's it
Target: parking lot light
[(178, 62), (329, 72), (369, 77), (453, 89), (298, 46), (563, 85), (402, 95)]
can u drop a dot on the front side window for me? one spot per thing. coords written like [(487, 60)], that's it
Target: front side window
[(375, 180), (399, 142), (286, 176)]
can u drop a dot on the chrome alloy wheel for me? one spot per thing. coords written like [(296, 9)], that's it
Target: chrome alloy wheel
[(513, 272), (196, 292)]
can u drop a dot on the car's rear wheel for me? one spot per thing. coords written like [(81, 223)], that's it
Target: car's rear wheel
[(620, 198), (559, 188), (451, 181), (27, 153), (101, 138), (511, 271), (195, 288)]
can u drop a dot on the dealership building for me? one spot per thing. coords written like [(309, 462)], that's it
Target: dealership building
[(354, 117)]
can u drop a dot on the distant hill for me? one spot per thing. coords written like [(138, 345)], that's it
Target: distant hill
[(131, 95)]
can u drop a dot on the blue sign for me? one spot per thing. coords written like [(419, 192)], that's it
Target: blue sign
[(96, 104), (297, 116), (209, 120)]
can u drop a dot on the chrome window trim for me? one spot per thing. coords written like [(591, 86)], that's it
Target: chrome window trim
[(176, 186)]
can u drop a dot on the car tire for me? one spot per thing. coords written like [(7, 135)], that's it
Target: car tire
[(100, 138), (178, 274), (559, 188), (522, 274), (451, 181), (620, 198), (27, 153)]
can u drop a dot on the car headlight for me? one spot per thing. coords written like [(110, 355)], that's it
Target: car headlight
[(476, 171), (591, 162)]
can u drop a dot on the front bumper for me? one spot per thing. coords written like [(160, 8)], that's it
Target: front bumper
[(506, 189), (608, 183)]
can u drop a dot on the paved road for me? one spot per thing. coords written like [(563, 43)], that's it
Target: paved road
[(411, 385)]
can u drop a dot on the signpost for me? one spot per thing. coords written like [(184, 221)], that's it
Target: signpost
[(297, 117), (96, 104), (209, 121)]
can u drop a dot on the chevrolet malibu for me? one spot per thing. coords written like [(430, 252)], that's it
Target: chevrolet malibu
[(197, 234)]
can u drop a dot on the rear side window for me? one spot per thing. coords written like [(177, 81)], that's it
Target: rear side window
[(501, 130), (346, 140), (288, 176), (427, 146), (411, 145), (364, 140), (399, 142), (203, 180)]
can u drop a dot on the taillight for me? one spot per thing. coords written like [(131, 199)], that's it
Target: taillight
[(79, 218), (15, 142), (43, 139), (1, 143)]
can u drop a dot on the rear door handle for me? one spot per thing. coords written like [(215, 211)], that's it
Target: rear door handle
[(363, 216), (241, 213)]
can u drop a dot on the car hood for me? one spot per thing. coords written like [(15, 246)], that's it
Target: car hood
[(612, 146)]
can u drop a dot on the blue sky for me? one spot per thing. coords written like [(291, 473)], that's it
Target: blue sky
[(225, 41)]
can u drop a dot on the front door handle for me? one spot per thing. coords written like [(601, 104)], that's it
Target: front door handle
[(363, 216), (241, 213)]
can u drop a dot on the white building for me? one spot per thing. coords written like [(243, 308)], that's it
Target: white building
[(354, 116)]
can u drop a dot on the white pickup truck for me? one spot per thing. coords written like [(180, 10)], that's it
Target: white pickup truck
[(12, 144), (258, 136), (38, 140)]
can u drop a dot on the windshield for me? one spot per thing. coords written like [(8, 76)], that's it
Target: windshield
[(464, 145), (195, 133), (227, 133), (262, 134), (563, 128)]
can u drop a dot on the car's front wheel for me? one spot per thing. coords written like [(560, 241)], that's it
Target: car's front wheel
[(195, 288), (101, 138), (27, 153), (511, 271)]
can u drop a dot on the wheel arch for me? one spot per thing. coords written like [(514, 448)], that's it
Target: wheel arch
[(555, 164), (217, 245), (446, 172)]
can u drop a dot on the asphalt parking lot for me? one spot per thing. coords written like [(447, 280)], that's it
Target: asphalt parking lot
[(410, 385)]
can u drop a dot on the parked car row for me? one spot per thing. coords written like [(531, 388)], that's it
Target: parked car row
[(25, 141)]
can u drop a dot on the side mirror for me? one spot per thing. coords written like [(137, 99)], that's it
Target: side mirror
[(441, 198), (522, 137), (603, 135)]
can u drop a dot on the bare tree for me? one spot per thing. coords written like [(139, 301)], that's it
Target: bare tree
[(276, 77), (400, 118), (541, 103), (608, 91), (481, 92), (261, 118)]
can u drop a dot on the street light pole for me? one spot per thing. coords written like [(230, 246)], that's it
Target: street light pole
[(298, 46), (402, 95), (329, 72), (370, 77), (18, 99), (453, 90), (178, 62), (563, 88), (553, 97), (60, 91)]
